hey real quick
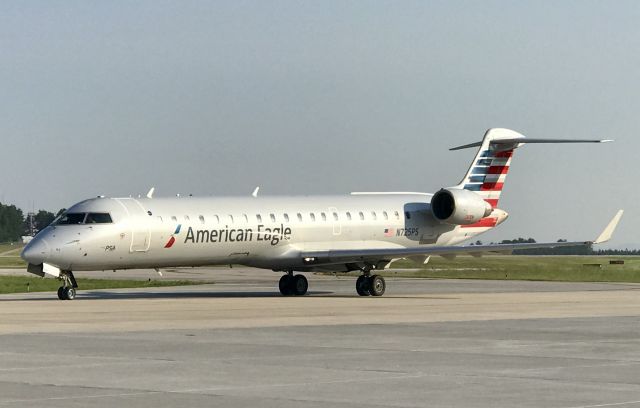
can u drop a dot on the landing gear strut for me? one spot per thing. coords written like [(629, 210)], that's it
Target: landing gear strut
[(68, 289), (368, 284), (291, 284)]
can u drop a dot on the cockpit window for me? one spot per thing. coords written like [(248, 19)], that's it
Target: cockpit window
[(71, 219), (84, 218), (98, 218)]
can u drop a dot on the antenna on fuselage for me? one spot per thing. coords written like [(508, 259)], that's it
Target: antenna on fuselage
[(255, 192), (150, 193)]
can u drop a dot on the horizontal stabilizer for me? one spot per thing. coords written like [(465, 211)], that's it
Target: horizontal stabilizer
[(525, 140)]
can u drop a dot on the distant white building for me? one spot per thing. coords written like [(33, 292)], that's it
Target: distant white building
[(26, 239)]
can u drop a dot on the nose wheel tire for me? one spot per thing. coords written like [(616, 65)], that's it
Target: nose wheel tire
[(68, 289), (70, 293), (293, 285), (66, 293)]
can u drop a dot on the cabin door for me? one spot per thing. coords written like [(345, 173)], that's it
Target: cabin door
[(138, 224)]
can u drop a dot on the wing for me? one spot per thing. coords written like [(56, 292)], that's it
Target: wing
[(376, 255)]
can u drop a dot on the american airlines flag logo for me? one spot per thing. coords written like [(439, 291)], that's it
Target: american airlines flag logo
[(388, 232), (172, 240)]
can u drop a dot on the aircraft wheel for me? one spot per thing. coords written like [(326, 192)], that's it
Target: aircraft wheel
[(377, 285), (285, 286), (362, 285), (300, 285), (61, 293), (69, 293)]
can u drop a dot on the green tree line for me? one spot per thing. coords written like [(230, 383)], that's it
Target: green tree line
[(569, 250), (11, 223), (14, 223)]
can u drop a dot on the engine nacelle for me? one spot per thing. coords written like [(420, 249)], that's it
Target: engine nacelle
[(459, 207)]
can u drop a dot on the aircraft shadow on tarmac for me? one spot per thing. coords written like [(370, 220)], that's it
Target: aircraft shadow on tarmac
[(186, 295), (106, 295), (96, 295)]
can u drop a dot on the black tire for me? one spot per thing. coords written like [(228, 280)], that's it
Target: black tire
[(300, 284), (285, 285), (70, 293), (362, 285), (377, 285), (61, 293)]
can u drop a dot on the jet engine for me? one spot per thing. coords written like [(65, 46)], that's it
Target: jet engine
[(459, 207)]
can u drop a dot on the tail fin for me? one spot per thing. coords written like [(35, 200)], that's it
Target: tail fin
[(488, 171)]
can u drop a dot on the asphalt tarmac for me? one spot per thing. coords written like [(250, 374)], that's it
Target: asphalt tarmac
[(238, 343)]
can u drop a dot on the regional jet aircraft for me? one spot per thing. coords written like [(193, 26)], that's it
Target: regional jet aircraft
[(362, 232)]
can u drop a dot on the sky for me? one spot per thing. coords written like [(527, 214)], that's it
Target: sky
[(323, 97)]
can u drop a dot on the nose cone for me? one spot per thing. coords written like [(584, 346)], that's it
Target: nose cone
[(36, 251)]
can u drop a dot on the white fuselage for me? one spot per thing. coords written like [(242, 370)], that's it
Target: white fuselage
[(266, 232)]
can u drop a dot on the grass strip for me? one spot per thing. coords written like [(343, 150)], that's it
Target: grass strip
[(22, 284), (540, 268)]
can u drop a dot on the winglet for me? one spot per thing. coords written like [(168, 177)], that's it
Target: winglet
[(608, 232), (150, 193), (255, 192)]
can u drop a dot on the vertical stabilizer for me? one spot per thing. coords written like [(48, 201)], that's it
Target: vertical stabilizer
[(488, 171)]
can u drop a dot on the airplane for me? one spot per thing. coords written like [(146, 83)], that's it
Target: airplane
[(362, 232)]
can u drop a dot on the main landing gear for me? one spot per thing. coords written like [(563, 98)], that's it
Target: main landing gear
[(368, 284), (295, 285), (68, 289)]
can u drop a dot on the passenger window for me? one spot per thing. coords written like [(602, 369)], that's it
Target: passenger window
[(361, 215), (273, 217), (323, 216), (397, 215), (385, 215), (312, 216), (259, 217), (348, 216), (159, 218), (98, 218), (335, 216), (201, 219), (215, 217), (186, 217), (299, 217), (373, 215), (174, 218), (286, 217), (246, 219), (231, 218)]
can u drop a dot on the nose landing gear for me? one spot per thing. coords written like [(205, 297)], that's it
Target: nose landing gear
[(68, 289)]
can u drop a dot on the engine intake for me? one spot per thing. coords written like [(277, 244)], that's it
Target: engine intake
[(459, 207)]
